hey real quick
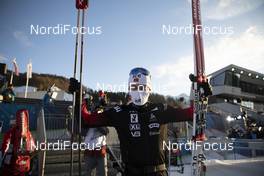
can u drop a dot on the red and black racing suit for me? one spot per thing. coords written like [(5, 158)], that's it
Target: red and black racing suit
[(141, 133)]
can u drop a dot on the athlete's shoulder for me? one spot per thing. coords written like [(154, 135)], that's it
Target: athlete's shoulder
[(156, 106), (119, 108)]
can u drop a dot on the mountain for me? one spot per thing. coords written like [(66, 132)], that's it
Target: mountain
[(41, 81), (44, 81)]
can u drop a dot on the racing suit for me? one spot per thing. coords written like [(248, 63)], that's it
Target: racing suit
[(141, 133)]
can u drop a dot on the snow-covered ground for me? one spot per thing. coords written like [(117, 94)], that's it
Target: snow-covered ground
[(243, 167)]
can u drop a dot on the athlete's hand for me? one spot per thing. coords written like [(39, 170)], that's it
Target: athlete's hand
[(204, 84), (74, 85), (207, 89)]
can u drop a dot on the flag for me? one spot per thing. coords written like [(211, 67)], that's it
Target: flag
[(81, 4), (16, 70), (29, 70)]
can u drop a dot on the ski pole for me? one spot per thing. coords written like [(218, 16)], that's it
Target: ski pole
[(200, 99), (80, 5), (81, 90), (74, 94)]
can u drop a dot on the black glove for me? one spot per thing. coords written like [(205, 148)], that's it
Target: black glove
[(192, 78), (205, 85), (207, 88), (74, 85)]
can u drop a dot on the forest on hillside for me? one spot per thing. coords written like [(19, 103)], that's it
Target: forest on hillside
[(45, 81)]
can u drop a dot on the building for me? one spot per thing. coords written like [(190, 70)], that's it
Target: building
[(58, 94), (22, 89), (238, 98), (238, 85)]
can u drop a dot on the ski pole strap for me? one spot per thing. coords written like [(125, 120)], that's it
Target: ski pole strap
[(81, 4)]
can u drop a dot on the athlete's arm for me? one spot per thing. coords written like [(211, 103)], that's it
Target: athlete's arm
[(94, 119), (171, 114)]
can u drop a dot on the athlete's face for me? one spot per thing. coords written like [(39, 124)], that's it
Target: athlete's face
[(139, 85), (139, 93)]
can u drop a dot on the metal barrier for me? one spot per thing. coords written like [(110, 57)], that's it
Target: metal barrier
[(57, 126), (42, 137), (114, 157), (248, 148)]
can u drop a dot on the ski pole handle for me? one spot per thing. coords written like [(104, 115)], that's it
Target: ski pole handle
[(81, 4)]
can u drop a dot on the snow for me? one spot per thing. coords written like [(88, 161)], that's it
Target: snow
[(243, 167)]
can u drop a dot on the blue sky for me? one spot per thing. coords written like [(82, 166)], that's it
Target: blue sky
[(132, 36)]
